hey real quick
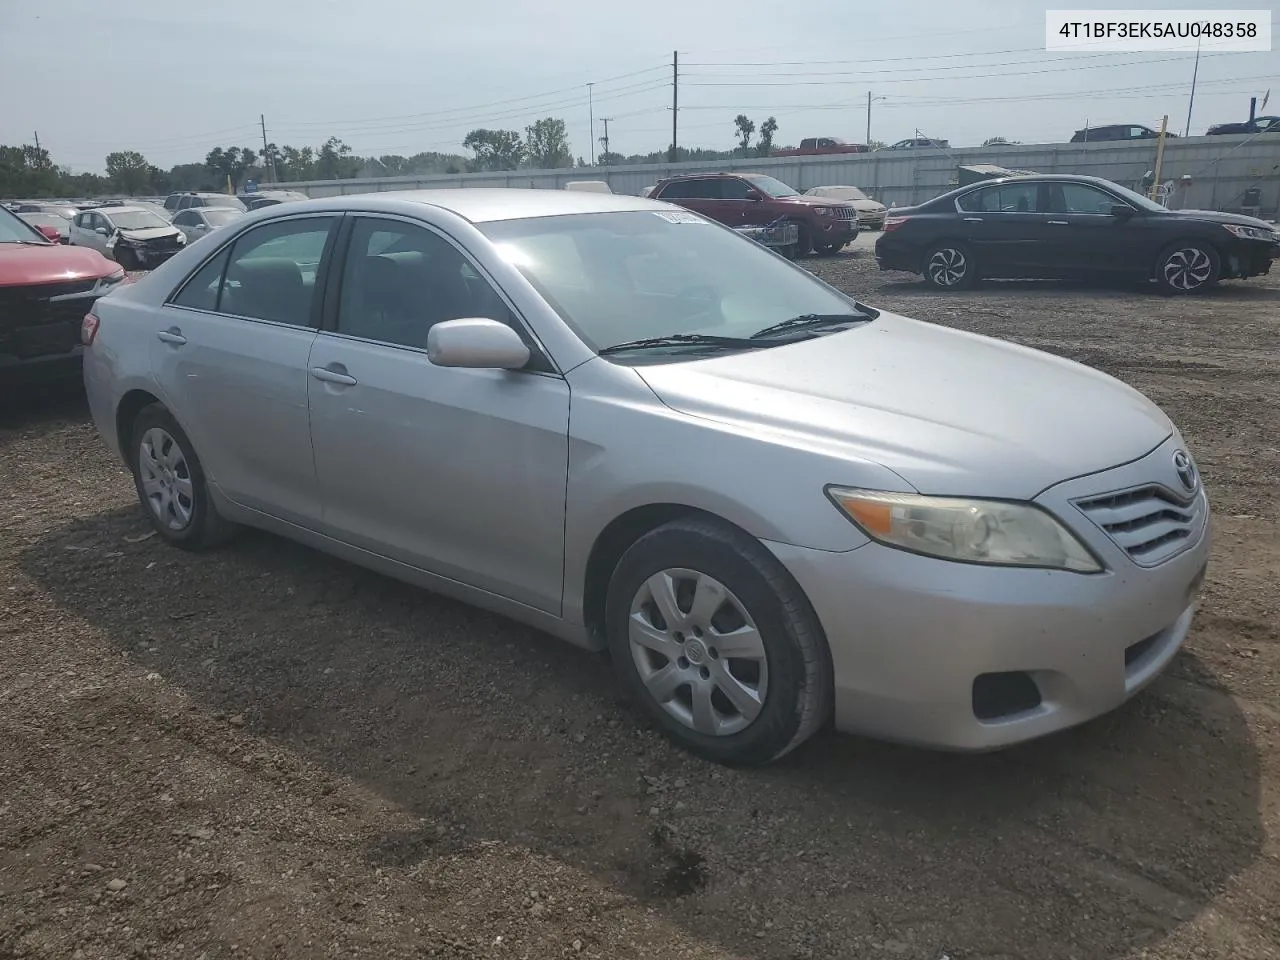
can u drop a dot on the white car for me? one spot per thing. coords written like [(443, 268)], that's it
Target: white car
[(195, 222), (134, 237), (871, 213)]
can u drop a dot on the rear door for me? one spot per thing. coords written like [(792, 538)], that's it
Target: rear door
[(700, 194), (230, 354), (1005, 230)]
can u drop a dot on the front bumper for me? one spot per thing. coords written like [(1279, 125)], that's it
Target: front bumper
[(909, 635), (42, 369), (834, 231), (1248, 258)]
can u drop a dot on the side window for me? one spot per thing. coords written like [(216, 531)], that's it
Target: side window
[(201, 291), (980, 201), (184, 219), (273, 270), (1018, 197), (680, 190), (82, 220), (1080, 198), (171, 201), (400, 279), (824, 142), (731, 188)]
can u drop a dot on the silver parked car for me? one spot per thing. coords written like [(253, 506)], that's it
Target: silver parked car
[(195, 222), (624, 424)]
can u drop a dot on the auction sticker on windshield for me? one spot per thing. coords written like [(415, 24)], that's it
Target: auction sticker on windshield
[(678, 216)]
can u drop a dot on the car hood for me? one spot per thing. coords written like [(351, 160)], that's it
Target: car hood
[(952, 413), (149, 233), (22, 264), (1217, 216)]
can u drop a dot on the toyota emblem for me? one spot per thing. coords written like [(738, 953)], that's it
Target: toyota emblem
[(1186, 470)]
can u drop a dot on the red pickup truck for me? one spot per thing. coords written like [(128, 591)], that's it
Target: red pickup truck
[(815, 146)]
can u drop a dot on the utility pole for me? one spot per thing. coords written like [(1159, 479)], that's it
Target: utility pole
[(591, 121), (37, 141), (604, 141), (1191, 102), (868, 140), (675, 103), (1155, 183), (267, 161)]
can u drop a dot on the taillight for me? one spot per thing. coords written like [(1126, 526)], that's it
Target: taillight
[(89, 328), (893, 223)]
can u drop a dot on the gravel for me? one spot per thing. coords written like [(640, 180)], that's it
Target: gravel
[(262, 752)]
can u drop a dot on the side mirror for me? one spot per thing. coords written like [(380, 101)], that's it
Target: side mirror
[(754, 196), (1121, 211), (476, 342), (102, 231)]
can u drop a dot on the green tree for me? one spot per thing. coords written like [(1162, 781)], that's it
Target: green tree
[(745, 128), (764, 145), (494, 149), (129, 171), (231, 163), (297, 163), (546, 144), (334, 161), (27, 172)]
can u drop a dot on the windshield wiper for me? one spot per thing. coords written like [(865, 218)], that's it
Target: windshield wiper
[(812, 320), (678, 339)]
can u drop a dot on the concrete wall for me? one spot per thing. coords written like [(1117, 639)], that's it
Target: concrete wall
[(1222, 168)]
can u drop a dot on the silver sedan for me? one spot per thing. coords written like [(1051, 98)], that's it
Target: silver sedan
[(617, 421)]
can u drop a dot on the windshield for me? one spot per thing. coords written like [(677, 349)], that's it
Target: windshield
[(774, 188), (221, 215), (618, 277), (15, 230), (136, 220), (1137, 199), (233, 203)]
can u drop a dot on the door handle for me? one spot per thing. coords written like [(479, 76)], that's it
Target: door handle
[(972, 219), (1057, 223), (172, 335), (333, 376)]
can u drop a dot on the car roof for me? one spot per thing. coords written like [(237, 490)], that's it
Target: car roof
[(487, 204), (108, 211)]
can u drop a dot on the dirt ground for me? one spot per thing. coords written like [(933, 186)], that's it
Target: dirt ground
[(264, 753)]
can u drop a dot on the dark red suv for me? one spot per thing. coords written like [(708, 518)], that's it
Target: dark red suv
[(756, 200)]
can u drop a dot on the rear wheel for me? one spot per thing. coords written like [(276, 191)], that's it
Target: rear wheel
[(171, 483), (949, 266), (1187, 267), (717, 643)]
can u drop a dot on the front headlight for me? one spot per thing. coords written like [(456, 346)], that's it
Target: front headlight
[(822, 211), (1250, 233), (971, 531), (109, 281), (181, 238)]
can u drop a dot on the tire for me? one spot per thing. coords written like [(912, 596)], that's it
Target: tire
[(949, 266), (1188, 266), (165, 466), (782, 683), (828, 249)]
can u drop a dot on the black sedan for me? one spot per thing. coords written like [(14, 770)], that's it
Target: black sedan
[(1051, 227)]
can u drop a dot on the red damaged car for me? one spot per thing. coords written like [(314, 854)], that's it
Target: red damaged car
[(45, 291)]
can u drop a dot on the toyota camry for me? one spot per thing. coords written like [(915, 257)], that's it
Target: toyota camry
[(774, 505)]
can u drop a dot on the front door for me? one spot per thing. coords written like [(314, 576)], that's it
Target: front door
[(1090, 238), (1006, 234), (460, 472), (230, 353)]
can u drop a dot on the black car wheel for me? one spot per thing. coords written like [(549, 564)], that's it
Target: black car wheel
[(1187, 267), (717, 643), (949, 266), (828, 249)]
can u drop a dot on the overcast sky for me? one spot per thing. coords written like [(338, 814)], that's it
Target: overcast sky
[(173, 78)]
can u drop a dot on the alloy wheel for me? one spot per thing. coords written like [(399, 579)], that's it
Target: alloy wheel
[(948, 266), (1187, 268), (166, 479), (699, 653)]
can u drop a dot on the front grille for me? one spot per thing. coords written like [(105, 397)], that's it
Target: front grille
[(43, 319), (846, 213), (1149, 523)]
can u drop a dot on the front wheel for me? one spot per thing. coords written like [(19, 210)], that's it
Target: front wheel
[(828, 249), (1187, 267), (717, 643), (950, 266)]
